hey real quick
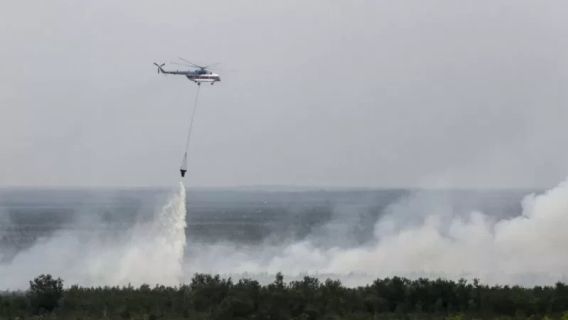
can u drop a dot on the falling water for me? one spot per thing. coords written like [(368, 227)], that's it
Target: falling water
[(154, 253), (151, 252)]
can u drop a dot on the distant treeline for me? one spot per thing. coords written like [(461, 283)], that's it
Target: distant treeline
[(212, 297)]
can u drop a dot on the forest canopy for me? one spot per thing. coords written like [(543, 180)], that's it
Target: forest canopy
[(214, 297)]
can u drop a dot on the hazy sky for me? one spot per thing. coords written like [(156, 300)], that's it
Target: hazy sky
[(314, 93)]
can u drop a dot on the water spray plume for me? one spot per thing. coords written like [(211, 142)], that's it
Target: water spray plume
[(150, 252)]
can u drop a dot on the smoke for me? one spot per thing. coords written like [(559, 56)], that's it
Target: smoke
[(150, 252), (420, 237)]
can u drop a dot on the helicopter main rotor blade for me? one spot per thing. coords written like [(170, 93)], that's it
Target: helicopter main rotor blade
[(182, 64), (191, 63), (211, 65)]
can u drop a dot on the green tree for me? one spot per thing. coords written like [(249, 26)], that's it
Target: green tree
[(45, 293)]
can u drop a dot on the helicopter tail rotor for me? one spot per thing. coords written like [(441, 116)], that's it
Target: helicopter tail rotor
[(159, 66)]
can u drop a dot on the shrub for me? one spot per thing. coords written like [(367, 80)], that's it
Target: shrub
[(45, 293)]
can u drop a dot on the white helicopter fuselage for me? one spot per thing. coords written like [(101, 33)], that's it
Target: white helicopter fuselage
[(209, 77), (197, 76)]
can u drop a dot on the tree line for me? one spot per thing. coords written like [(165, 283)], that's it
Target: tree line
[(213, 297)]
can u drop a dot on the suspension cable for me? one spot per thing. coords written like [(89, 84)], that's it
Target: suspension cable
[(190, 129)]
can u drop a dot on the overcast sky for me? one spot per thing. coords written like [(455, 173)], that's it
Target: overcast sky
[(314, 93)]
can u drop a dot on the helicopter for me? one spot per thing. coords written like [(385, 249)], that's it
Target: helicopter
[(198, 75)]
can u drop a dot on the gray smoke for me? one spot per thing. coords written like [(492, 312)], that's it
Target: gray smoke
[(416, 236), (150, 252), (419, 237)]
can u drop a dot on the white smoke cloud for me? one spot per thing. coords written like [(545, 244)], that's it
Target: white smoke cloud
[(417, 236), (151, 252)]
